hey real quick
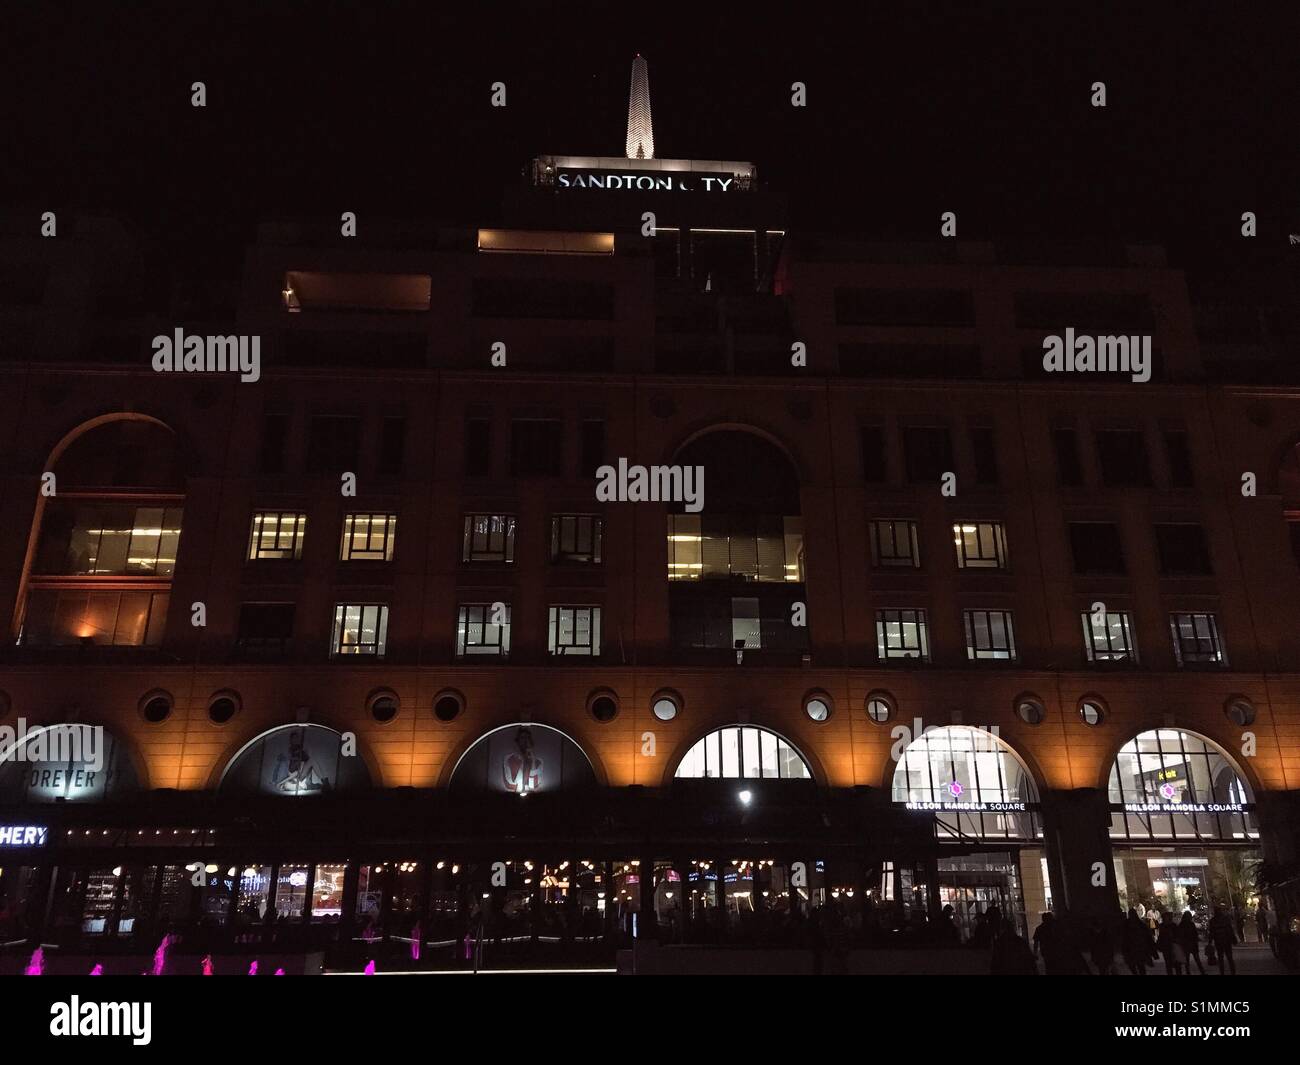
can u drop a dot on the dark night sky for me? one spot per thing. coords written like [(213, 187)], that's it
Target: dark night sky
[(977, 107)]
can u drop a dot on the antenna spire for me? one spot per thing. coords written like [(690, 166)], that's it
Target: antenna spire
[(640, 131)]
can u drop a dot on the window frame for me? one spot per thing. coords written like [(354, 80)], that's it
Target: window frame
[(256, 532)]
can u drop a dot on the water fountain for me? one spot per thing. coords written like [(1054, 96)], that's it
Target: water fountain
[(36, 967), (160, 955), (207, 965), (98, 970), (252, 969), (370, 968)]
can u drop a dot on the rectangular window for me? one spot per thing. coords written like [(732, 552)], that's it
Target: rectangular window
[(265, 626), (875, 469), (1122, 454), (760, 547), (980, 545), (1096, 547), (984, 450), (1069, 470), (1196, 640), (488, 538), (368, 538), (576, 538), (1183, 550), (591, 455), (928, 453), (895, 544), (333, 444), (275, 435), (108, 540), (277, 534), (478, 447), (392, 446), (902, 634), (536, 446), (483, 629), (990, 635), (1109, 637), (574, 630), (67, 616), (746, 624), (359, 629)]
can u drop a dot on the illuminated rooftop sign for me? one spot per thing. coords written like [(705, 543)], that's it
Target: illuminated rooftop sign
[(643, 175)]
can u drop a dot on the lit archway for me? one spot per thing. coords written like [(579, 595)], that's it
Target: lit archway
[(743, 752), (295, 760), (525, 758), (67, 763), (973, 781), (1171, 784)]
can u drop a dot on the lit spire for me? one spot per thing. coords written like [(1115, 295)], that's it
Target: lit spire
[(640, 131)]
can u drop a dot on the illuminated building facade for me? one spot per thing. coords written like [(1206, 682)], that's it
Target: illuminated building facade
[(367, 651)]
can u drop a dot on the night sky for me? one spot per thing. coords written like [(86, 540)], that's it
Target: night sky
[(912, 110)]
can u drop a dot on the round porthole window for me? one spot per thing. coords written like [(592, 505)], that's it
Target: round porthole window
[(665, 706), (222, 708), (817, 707), (880, 707), (1091, 712), (447, 706), (1030, 711), (604, 709), (157, 708), (383, 708), (1240, 711)]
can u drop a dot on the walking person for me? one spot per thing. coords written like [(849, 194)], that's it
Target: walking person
[(1138, 949), (1223, 936), (1170, 949), (1189, 938)]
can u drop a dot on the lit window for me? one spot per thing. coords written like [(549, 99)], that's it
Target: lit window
[(66, 616), (743, 753), (574, 630), (895, 544), (368, 537), (1109, 637), (980, 544), (277, 535), (902, 634), (488, 538), (1160, 778), (359, 629), (483, 629), (766, 548), (108, 540), (1196, 640), (576, 538), (990, 635)]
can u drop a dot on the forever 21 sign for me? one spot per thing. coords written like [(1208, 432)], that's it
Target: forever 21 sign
[(604, 179)]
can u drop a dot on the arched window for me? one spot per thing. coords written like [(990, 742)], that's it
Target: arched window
[(295, 760), (736, 562), (972, 780), (102, 570), (70, 763), (523, 759), (1172, 784), (743, 752)]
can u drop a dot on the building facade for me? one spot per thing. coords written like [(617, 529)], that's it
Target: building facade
[(360, 646)]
